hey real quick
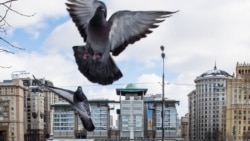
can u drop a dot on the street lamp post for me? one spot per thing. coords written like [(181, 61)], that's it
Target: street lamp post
[(163, 82)]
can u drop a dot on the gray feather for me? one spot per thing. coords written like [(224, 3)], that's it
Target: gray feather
[(128, 27)]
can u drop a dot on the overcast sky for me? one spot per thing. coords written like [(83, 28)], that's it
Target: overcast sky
[(200, 34)]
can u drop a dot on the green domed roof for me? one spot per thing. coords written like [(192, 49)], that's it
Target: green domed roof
[(131, 86), (131, 89)]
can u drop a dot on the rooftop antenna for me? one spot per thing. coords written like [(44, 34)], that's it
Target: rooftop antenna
[(19, 74)]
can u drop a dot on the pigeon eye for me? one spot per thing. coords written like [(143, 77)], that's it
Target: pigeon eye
[(101, 8)]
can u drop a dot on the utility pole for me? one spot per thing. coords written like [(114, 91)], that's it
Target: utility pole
[(163, 85)]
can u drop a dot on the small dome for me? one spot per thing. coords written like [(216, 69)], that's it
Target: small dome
[(215, 72), (131, 86)]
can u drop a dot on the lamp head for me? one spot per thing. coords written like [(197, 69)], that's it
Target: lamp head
[(162, 48)]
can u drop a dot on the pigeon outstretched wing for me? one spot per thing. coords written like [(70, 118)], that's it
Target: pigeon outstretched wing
[(128, 27), (67, 95), (81, 12)]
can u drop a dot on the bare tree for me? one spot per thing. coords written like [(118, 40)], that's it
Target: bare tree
[(6, 6)]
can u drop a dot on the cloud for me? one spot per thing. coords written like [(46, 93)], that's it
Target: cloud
[(151, 81), (173, 90), (42, 9), (198, 32), (62, 38), (103, 93), (33, 15), (55, 67)]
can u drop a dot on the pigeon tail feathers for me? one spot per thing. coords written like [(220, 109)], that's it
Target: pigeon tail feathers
[(96, 71), (88, 124)]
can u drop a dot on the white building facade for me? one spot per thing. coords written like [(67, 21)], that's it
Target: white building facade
[(170, 121), (206, 106), (131, 122), (101, 119), (64, 120)]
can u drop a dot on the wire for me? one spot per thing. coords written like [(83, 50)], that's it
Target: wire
[(142, 83)]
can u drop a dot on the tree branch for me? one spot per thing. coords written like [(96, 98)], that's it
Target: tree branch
[(5, 67), (4, 50), (6, 12), (2, 19), (7, 2), (19, 13), (11, 44), (4, 25)]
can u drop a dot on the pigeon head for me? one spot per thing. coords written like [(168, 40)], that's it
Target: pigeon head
[(101, 10), (98, 21), (79, 95), (79, 88)]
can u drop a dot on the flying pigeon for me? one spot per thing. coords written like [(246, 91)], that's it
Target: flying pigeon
[(104, 37), (78, 102)]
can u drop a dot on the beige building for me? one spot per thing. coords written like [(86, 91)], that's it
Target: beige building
[(238, 105), (25, 112), (37, 110), (185, 127), (11, 110)]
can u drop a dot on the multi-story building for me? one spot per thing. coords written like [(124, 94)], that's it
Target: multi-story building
[(131, 116), (206, 106), (11, 110), (37, 114), (149, 126), (100, 114), (133, 120), (238, 105), (170, 121), (64, 121), (185, 127), (111, 120), (37, 110), (153, 104), (67, 125)]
